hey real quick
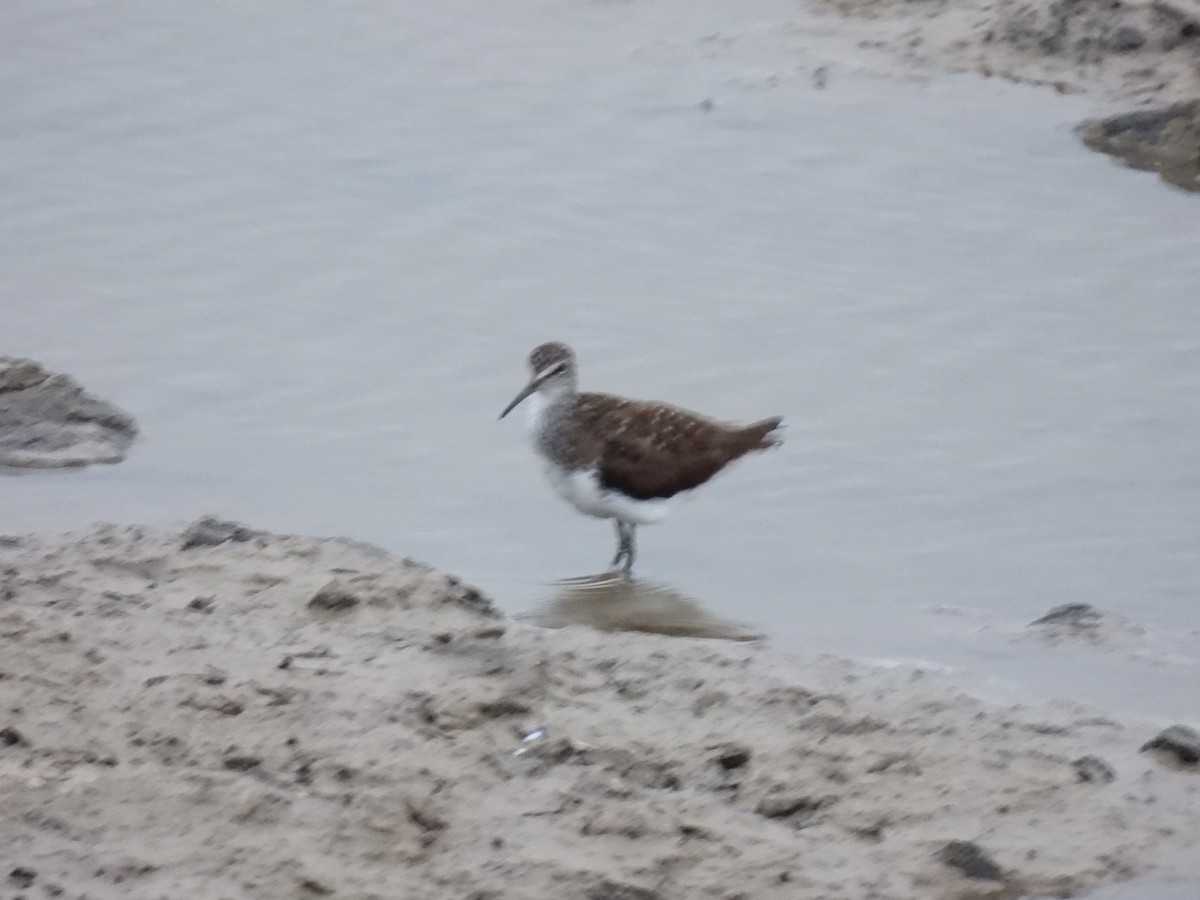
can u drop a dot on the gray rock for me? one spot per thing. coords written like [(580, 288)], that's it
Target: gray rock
[(1179, 741), (48, 421), (1126, 39), (787, 805), (334, 597), (615, 890), (241, 762), (1093, 770), (1075, 622), (733, 756), (971, 860), (1075, 615), (209, 531), (1164, 140)]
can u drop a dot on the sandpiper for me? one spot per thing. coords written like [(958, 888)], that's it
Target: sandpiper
[(616, 458)]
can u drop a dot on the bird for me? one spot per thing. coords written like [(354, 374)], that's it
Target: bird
[(617, 458)]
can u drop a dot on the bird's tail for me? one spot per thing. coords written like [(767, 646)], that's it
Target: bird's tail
[(760, 436)]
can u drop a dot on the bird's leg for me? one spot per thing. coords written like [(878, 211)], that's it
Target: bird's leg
[(624, 546), (616, 560), (625, 550)]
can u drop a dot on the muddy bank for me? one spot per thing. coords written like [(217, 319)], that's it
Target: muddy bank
[(1142, 56), (1131, 53), (1165, 140), (47, 421), (222, 712)]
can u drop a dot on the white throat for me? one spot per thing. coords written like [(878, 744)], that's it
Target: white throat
[(540, 402), (537, 405)]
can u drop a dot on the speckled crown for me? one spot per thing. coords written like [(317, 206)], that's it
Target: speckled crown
[(549, 354)]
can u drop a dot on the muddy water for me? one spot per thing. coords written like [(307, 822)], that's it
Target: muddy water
[(310, 248)]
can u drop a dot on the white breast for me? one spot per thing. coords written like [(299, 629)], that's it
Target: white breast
[(581, 488), (535, 414)]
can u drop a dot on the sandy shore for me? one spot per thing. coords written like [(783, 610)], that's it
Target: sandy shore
[(218, 712)]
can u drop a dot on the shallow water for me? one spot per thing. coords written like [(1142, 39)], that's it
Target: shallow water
[(310, 247)]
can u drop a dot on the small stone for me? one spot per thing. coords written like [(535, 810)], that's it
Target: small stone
[(615, 890), (201, 604), (1093, 770), (1076, 615), (241, 763), (971, 860), (1180, 741), (312, 886), (789, 805), (22, 877), (210, 531), (502, 707), (226, 706), (474, 600), (733, 756), (10, 737), (1126, 39), (334, 597)]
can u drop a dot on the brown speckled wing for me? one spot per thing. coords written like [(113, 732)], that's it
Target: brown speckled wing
[(652, 450)]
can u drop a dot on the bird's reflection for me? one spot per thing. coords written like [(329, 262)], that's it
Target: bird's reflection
[(612, 601)]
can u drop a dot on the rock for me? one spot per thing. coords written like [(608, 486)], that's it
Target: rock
[(48, 421), (733, 756), (210, 531), (781, 807), (241, 763), (971, 860), (1075, 615), (1126, 39), (22, 876), (615, 890), (1083, 622), (334, 597), (10, 737), (1093, 770), (201, 604), (1164, 140), (1179, 741)]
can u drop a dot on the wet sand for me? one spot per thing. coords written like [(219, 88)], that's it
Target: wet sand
[(220, 712)]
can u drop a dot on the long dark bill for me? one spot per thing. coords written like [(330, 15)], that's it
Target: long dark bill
[(525, 392)]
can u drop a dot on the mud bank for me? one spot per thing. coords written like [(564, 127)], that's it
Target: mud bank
[(47, 421), (1139, 56), (222, 712)]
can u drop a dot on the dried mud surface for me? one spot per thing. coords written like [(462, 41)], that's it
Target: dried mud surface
[(219, 712)]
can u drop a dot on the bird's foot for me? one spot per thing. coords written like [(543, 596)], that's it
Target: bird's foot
[(623, 561)]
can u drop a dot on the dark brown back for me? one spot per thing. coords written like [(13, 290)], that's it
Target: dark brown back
[(652, 450)]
